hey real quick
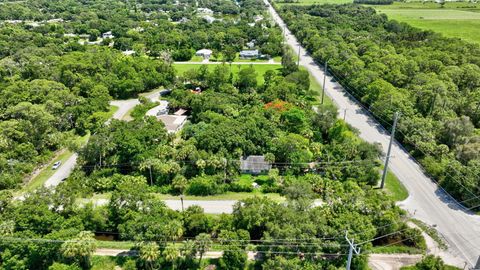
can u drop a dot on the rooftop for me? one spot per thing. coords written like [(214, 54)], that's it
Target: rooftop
[(254, 164)]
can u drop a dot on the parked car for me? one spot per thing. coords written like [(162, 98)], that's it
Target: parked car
[(56, 165)]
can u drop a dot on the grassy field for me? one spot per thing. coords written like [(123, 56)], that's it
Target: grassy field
[(261, 69), (456, 19)]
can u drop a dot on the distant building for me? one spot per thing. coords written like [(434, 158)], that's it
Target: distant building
[(257, 18), (173, 123), (254, 165), (204, 11), (183, 20), (209, 18), (251, 44), (249, 54), (108, 35), (205, 53), (128, 52)]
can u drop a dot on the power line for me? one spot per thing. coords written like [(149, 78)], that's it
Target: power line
[(416, 147)]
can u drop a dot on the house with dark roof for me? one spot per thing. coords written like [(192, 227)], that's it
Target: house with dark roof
[(254, 165)]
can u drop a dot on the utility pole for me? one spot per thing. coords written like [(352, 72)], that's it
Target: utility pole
[(352, 248), (224, 170), (324, 78), (151, 178), (298, 61), (387, 159), (344, 114), (181, 200)]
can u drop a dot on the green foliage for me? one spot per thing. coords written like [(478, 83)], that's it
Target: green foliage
[(391, 66), (203, 186), (430, 262)]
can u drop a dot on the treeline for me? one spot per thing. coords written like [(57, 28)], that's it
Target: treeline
[(145, 28), (49, 229), (46, 99), (54, 87), (390, 66)]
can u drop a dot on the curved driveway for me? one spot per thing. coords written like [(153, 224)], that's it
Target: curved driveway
[(429, 203)]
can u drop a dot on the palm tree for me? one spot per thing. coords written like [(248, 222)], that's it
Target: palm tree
[(174, 230), (81, 248), (203, 242), (171, 253), (149, 252)]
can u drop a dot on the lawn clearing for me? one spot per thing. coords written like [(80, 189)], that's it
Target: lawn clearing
[(456, 20), (261, 68)]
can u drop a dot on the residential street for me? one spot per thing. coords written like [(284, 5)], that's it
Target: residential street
[(124, 106), (375, 261), (429, 203)]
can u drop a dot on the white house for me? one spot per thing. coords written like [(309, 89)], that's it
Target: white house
[(209, 18), (205, 53), (249, 54), (257, 18), (108, 35), (204, 11), (128, 52)]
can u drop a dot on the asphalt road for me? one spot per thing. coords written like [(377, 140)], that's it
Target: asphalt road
[(392, 261), (430, 204), (124, 106)]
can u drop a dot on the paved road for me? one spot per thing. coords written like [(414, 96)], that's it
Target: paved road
[(62, 172), (375, 261), (124, 106), (431, 205), (210, 207)]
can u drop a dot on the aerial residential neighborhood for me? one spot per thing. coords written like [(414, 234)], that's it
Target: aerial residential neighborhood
[(239, 135)]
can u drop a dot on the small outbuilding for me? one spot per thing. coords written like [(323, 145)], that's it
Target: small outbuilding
[(205, 53), (249, 54), (254, 165), (108, 35)]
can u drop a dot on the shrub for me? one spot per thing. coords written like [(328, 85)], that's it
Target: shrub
[(203, 186)]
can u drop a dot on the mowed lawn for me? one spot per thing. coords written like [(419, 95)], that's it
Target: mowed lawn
[(260, 69), (457, 20)]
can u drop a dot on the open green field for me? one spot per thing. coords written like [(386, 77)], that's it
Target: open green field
[(261, 68), (456, 19)]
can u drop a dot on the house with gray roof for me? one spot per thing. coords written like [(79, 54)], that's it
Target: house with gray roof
[(249, 54), (254, 165)]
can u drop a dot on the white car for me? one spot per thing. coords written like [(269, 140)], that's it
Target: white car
[(56, 165)]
